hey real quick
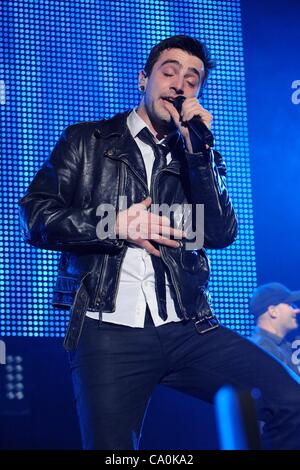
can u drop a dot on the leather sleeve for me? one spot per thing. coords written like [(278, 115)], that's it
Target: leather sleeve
[(48, 218), (207, 174)]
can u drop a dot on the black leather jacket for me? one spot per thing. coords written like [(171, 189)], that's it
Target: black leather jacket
[(94, 163)]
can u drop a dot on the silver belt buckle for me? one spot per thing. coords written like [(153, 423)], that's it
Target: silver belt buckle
[(207, 323)]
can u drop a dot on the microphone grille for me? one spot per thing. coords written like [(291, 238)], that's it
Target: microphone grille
[(177, 103)]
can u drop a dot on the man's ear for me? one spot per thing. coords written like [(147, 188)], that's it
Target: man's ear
[(142, 81), (272, 311)]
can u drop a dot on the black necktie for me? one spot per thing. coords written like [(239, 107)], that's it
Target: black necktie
[(160, 152)]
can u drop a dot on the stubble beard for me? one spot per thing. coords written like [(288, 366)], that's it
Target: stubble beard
[(160, 123)]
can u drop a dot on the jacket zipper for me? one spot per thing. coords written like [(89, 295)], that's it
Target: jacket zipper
[(104, 263), (100, 283), (162, 248), (121, 183), (118, 276)]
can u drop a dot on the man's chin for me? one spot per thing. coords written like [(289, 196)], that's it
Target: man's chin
[(161, 119), (166, 122)]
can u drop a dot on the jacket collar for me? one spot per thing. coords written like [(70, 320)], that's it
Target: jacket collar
[(116, 126)]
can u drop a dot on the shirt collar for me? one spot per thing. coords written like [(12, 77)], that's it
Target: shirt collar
[(135, 124)]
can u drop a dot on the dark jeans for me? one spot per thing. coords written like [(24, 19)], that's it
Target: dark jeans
[(116, 368)]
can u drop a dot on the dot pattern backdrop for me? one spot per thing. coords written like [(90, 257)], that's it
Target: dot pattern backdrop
[(77, 60)]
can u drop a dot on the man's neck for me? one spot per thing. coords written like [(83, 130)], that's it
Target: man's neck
[(274, 329), (159, 134)]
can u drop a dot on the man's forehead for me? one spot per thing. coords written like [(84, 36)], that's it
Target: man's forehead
[(182, 57)]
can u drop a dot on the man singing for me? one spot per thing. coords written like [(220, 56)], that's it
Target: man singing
[(140, 311)]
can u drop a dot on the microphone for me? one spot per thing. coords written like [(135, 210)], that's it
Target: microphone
[(199, 132)]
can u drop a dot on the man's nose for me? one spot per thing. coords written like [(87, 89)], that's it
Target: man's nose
[(177, 85)]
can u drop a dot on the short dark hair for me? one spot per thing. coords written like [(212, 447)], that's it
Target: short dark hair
[(187, 44)]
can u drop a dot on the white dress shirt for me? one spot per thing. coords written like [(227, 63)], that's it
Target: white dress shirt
[(137, 281)]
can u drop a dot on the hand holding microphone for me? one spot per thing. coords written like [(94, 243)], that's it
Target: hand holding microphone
[(193, 122)]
